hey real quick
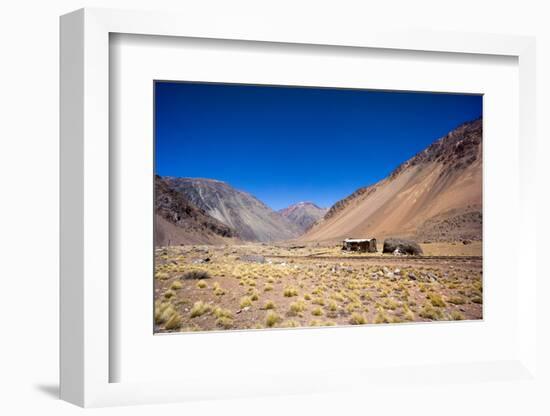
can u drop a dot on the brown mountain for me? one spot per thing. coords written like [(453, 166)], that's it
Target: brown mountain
[(436, 195), (179, 221), (303, 214), (251, 219)]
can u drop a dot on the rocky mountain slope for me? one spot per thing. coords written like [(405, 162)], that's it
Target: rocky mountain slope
[(250, 218), (436, 195), (303, 214), (178, 221)]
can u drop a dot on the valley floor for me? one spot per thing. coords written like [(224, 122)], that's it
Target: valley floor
[(253, 286)]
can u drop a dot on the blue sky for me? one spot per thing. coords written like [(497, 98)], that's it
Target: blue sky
[(286, 144)]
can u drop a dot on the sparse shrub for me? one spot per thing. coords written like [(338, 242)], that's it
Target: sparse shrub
[(357, 319), (457, 316), (381, 317), (307, 296), (173, 322), (477, 299), (429, 312), (291, 323), (176, 285), (201, 284), (224, 322), (268, 288), (391, 304), (218, 291), (456, 300), (332, 306), (436, 299), (408, 315), (199, 308), (269, 305), (290, 291), (163, 311), (245, 302), (317, 311), (272, 318), (169, 293), (196, 275), (222, 313), (296, 308), (161, 275), (318, 301)]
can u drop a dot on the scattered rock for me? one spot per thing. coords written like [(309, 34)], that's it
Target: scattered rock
[(465, 242), (402, 246), (432, 277), (412, 276), (200, 261), (252, 258)]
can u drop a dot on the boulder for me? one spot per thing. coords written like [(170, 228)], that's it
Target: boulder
[(401, 246)]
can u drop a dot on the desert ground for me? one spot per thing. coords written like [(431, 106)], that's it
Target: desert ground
[(259, 285)]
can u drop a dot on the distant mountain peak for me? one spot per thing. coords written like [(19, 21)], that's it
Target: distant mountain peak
[(303, 214)]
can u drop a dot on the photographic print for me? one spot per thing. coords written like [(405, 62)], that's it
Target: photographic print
[(294, 207)]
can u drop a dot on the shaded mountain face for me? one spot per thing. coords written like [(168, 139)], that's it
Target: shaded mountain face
[(436, 195), (178, 221), (303, 214), (250, 218)]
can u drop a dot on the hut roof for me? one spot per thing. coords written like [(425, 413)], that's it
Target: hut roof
[(357, 240)]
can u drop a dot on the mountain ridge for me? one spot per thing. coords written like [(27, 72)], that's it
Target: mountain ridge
[(251, 218), (429, 196)]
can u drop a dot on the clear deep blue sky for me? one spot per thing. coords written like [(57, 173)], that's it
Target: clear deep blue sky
[(285, 144)]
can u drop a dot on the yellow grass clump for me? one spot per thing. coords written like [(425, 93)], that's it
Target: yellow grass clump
[(245, 302), (357, 319), (272, 318), (199, 308), (290, 291)]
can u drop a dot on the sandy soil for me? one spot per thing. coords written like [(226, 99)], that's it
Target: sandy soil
[(261, 286)]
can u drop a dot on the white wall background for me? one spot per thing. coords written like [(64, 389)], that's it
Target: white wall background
[(29, 205)]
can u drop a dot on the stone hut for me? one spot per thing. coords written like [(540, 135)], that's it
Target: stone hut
[(366, 245)]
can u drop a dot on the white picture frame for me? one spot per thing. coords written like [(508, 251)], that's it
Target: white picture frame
[(86, 357)]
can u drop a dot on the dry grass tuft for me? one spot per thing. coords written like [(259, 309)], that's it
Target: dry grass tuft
[(457, 316), (457, 300), (169, 293), (176, 285), (357, 319), (317, 311), (269, 305), (272, 318), (245, 302), (224, 322), (296, 308), (199, 308), (436, 299), (429, 312), (290, 291), (174, 322)]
